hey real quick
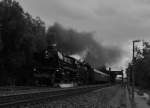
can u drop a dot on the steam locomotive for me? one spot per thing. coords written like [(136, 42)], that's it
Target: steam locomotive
[(53, 68)]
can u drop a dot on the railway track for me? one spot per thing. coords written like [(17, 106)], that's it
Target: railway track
[(36, 97)]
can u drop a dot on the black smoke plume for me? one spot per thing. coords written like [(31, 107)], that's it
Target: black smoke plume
[(70, 41)]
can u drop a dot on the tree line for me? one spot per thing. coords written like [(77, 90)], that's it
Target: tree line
[(21, 36), (141, 66)]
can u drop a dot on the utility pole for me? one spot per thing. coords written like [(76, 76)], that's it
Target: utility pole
[(110, 77), (133, 61), (133, 73), (128, 79), (122, 78)]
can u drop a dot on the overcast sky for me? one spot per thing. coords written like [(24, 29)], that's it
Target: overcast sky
[(114, 22)]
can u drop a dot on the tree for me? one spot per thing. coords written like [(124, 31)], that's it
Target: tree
[(20, 37), (141, 66), (12, 27)]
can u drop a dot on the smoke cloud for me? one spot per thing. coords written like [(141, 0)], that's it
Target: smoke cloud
[(70, 42)]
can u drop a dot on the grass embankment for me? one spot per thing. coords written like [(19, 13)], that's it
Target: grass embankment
[(142, 91)]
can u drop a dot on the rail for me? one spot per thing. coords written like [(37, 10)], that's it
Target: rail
[(24, 98)]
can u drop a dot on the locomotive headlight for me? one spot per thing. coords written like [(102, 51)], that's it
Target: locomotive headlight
[(34, 69)]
